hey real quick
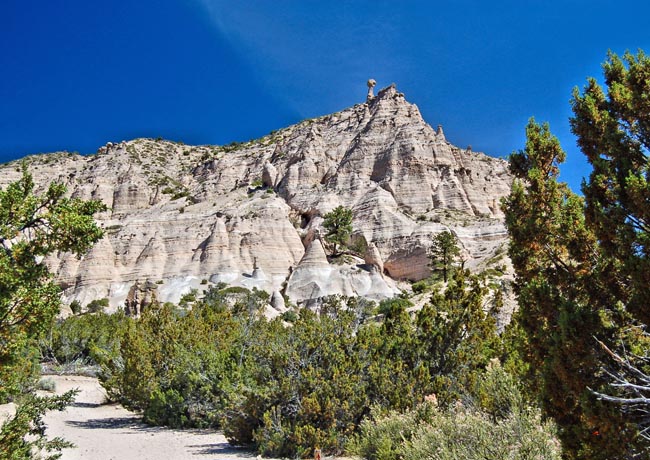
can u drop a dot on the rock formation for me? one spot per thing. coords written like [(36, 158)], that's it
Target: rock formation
[(187, 217), (371, 85), (372, 257), (139, 298)]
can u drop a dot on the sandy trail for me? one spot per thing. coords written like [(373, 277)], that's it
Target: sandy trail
[(108, 431), (103, 431)]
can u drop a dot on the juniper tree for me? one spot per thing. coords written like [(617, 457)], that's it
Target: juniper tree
[(338, 226), (444, 253), (566, 304), (613, 130), (31, 227)]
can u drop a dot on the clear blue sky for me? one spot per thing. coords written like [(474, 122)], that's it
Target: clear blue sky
[(77, 74)]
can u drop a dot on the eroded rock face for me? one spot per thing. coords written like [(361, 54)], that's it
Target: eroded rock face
[(190, 216), (139, 298)]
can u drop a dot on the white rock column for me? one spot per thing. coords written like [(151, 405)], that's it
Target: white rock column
[(371, 95)]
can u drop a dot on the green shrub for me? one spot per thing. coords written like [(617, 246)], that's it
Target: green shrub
[(97, 305), (46, 384), (233, 146), (75, 307), (165, 407), (284, 390), (180, 194), (289, 316), (306, 389), (235, 290), (189, 297), (79, 339), (497, 393), (175, 367), (396, 303), (472, 435), (420, 287), (514, 431), (383, 434)]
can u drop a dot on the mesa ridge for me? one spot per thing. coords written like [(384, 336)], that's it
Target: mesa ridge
[(249, 214)]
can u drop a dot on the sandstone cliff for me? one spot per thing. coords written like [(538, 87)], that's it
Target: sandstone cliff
[(246, 214)]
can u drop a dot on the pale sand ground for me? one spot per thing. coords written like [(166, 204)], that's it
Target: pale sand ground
[(108, 431)]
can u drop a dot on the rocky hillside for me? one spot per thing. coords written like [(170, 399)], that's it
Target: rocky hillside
[(249, 214)]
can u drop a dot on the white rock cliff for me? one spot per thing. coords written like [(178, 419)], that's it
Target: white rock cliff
[(246, 214)]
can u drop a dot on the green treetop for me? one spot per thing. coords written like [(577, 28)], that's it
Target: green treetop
[(568, 296), (444, 253), (338, 226), (31, 227), (613, 130)]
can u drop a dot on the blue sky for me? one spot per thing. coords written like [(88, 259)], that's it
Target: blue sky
[(77, 74)]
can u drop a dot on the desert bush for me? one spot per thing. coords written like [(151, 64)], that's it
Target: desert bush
[(75, 307), (383, 434), (284, 389), (497, 393), (463, 431), (97, 305), (473, 435), (179, 368), (307, 387), (81, 338), (290, 316), (46, 384), (394, 304), (420, 287), (312, 383)]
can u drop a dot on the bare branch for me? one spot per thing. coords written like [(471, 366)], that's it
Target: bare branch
[(633, 385)]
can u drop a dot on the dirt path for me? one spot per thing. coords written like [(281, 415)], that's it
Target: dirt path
[(108, 431), (104, 431)]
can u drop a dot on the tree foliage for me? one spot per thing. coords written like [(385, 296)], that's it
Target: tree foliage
[(338, 227), (285, 389), (23, 436), (33, 226), (569, 296), (457, 335), (444, 253), (176, 367), (82, 339), (494, 424), (307, 387), (613, 130), (552, 250)]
